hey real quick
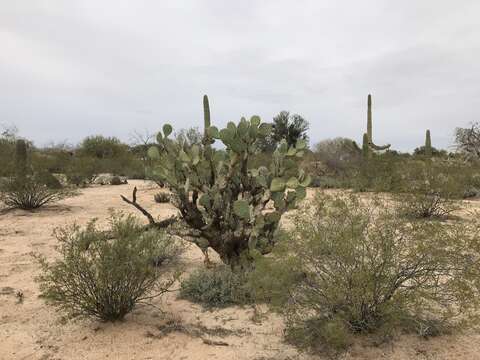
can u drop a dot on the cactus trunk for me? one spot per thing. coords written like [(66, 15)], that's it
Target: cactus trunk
[(428, 144), (370, 128), (365, 146), (369, 118)]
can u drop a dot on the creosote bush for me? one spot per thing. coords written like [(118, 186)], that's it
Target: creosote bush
[(353, 266), (216, 287), (105, 274), (426, 205)]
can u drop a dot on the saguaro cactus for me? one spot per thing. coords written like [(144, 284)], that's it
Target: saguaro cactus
[(370, 130), (428, 144)]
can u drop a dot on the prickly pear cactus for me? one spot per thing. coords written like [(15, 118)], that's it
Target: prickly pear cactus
[(219, 196), (370, 126)]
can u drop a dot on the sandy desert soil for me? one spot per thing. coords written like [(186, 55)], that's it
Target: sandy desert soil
[(33, 330)]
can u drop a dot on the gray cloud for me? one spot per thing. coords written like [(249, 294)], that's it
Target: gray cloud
[(70, 69)]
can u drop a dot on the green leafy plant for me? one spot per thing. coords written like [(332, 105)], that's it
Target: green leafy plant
[(106, 274), (220, 198), (353, 265)]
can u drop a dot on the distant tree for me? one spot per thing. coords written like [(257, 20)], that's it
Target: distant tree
[(140, 143), (101, 147), (467, 140), (190, 136), (291, 127), (9, 132), (337, 154)]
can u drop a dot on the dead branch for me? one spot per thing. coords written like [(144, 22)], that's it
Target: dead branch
[(151, 221)]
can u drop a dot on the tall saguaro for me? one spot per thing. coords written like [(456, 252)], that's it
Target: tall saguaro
[(428, 144), (370, 128)]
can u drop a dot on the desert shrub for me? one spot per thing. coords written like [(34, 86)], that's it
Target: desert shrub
[(353, 265), (215, 288), (49, 180), (106, 274), (338, 154), (420, 151), (101, 147), (116, 181), (380, 173), (327, 182), (31, 192), (428, 190), (162, 197), (426, 205), (81, 170)]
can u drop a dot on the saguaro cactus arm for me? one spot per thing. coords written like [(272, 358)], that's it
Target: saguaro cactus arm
[(370, 128)]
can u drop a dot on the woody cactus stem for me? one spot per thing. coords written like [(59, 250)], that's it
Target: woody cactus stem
[(428, 144), (369, 128)]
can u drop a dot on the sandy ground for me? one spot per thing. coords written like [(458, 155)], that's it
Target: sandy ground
[(33, 330)]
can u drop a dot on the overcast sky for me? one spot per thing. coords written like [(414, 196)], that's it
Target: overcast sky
[(69, 69)]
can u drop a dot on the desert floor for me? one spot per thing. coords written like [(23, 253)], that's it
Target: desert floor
[(33, 330)]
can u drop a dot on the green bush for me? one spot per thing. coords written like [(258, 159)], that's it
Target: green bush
[(105, 274), (358, 265), (216, 288), (162, 197)]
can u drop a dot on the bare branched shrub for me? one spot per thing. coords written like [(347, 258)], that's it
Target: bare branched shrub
[(468, 141), (105, 274), (357, 266), (426, 206), (428, 190)]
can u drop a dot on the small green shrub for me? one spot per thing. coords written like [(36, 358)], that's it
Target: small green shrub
[(357, 266), (216, 288), (105, 274), (162, 197)]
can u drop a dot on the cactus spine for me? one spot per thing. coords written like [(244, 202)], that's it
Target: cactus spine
[(428, 144), (370, 130)]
